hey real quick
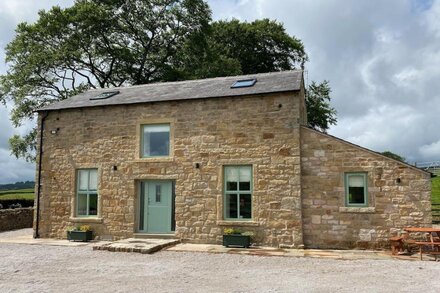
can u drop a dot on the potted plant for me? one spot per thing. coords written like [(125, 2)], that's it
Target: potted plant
[(79, 233), (234, 237)]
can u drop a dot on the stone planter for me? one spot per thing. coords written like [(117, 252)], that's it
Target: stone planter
[(236, 240), (79, 236)]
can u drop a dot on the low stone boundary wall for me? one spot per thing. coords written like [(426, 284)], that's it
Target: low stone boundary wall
[(11, 219)]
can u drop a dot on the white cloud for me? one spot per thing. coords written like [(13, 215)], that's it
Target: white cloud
[(382, 65), (431, 150)]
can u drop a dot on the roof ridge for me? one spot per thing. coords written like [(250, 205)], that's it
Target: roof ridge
[(196, 80)]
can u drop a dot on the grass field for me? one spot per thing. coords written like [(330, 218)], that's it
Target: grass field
[(436, 190), (17, 194)]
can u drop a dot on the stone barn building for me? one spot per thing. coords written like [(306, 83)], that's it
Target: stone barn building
[(188, 159)]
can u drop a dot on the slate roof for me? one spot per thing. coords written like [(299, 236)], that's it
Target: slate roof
[(274, 82)]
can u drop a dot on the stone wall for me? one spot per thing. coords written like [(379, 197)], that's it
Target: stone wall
[(262, 131), (392, 205), (11, 219)]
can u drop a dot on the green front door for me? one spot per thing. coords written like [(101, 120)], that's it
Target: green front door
[(156, 207)]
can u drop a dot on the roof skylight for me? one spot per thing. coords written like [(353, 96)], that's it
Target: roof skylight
[(105, 95), (244, 83)]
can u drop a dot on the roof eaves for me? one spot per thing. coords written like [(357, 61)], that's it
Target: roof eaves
[(47, 108)]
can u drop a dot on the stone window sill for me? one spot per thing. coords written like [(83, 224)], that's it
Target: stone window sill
[(85, 220), (238, 223), (357, 210)]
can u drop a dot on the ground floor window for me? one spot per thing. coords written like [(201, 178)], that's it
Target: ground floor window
[(356, 189), (238, 192), (87, 192)]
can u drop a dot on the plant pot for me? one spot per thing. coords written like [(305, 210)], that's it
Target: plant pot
[(79, 236), (236, 240)]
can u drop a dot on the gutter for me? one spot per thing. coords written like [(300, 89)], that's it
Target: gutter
[(40, 154)]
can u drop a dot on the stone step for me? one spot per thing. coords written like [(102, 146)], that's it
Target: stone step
[(153, 236), (147, 246)]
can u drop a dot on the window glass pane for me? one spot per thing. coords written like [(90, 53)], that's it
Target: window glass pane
[(231, 186), (231, 206), (244, 186), (245, 174), (356, 195), (355, 180), (159, 143), (83, 177), (231, 174), (93, 180), (82, 204), (93, 204), (245, 206), (158, 193), (156, 140)]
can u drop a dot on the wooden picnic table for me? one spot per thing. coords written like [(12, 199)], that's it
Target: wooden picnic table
[(433, 241), (422, 229)]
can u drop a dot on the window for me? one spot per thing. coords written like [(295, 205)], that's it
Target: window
[(238, 192), (87, 193), (356, 189), (155, 140), (243, 83), (104, 95)]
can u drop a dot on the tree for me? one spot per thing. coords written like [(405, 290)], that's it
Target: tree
[(93, 44), (320, 114), (234, 47), (394, 156), (110, 43)]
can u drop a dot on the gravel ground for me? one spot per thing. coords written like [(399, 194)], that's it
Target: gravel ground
[(37, 268)]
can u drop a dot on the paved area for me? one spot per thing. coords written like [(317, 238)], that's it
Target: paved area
[(25, 236), (268, 251), (146, 246), (317, 253)]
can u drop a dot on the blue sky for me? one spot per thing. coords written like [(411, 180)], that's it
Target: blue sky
[(381, 58)]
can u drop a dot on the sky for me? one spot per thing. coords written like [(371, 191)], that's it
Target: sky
[(381, 58)]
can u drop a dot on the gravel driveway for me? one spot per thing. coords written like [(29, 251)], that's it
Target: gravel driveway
[(38, 268)]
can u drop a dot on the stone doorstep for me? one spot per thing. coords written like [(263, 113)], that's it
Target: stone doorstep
[(145, 246)]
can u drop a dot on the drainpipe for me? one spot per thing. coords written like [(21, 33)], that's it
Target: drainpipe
[(40, 155)]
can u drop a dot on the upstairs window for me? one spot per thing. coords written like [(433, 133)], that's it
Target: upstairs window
[(356, 189), (244, 83), (238, 192), (155, 140), (87, 193), (104, 95)]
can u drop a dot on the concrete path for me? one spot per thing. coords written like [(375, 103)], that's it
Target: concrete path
[(269, 251), (25, 236)]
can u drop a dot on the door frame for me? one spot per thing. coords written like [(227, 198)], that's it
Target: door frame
[(139, 217)]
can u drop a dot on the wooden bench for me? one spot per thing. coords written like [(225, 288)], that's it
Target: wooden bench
[(396, 244), (434, 245)]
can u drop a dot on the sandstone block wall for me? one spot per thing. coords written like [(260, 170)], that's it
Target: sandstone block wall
[(392, 205), (11, 219), (262, 131)]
